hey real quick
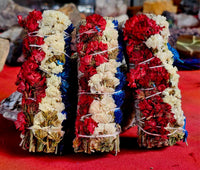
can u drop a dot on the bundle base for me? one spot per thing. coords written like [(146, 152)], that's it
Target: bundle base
[(98, 144), (149, 141), (35, 144)]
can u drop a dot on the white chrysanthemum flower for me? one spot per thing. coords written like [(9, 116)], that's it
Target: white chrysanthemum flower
[(51, 65), (108, 103), (112, 45), (169, 55), (61, 117), (102, 118), (48, 52), (174, 77), (109, 129), (38, 119), (179, 117), (54, 81), (95, 107), (103, 83), (110, 66), (57, 69), (53, 22), (172, 70), (109, 24), (54, 43), (155, 42), (57, 105), (45, 105), (111, 79), (44, 67), (105, 105), (51, 104), (172, 96), (172, 91), (177, 93), (174, 80), (99, 129), (170, 99), (53, 91), (110, 36), (165, 55), (51, 68), (94, 82)]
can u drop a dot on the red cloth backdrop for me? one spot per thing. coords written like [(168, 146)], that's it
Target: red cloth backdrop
[(131, 156)]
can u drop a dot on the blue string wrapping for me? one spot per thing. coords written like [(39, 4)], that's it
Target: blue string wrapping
[(119, 98), (65, 77), (65, 74), (175, 53), (121, 78), (186, 132), (119, 94), (118, 115), (120, 41)]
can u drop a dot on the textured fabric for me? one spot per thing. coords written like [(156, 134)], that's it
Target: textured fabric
[(131, 156)]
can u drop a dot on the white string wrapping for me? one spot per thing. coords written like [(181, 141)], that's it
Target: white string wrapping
[(99, 136), (87, 32), (39, 46), (170, 134), (143, 62), (35, 45), (148, 89), (35, 34), (105, 51), (99, 92), (146, 61), (30, 98), (46, 128), (153, 95)]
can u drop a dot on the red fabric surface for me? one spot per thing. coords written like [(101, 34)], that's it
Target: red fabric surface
[(131, 156)]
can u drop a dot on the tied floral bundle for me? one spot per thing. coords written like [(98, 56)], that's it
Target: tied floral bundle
[(42, 80), (100, 86), (159, 116)]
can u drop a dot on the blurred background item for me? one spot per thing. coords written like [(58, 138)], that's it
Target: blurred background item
[(183, 17), (11, 106), (8, 13), (185, 20), (190, 6), (4, 49), (38, 4), (188, 47), (15, 36), (86, 7), (159, 6), (72, 11), (111, 8)]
